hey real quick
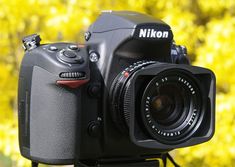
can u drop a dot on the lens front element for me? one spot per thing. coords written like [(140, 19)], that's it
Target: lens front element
[(171, 106), (166, 105)]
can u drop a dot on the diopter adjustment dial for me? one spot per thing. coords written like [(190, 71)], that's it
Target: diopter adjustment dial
[(179, 54)]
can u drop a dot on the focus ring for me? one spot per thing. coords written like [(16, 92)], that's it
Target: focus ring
[(119, 117)]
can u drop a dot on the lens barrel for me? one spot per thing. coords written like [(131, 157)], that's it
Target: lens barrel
[(118, 88)]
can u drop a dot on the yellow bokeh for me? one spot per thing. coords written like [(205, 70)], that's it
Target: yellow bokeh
[(207, 28)]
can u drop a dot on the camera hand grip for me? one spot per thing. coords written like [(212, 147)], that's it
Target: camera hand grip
[(53, 119)]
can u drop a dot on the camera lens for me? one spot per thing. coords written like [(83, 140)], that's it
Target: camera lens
[(171, 106), (167, 105)]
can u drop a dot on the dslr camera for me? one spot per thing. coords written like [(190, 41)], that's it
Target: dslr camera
[(128, 94)]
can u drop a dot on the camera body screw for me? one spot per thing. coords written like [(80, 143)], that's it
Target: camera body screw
[(87, 35)]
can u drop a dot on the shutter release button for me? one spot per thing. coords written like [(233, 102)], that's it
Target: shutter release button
[(69, 54), (73, 47)]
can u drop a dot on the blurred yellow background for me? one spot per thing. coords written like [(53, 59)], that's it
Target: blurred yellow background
[(207, 28)]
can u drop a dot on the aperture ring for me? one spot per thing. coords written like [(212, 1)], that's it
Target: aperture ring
[(119, 117)]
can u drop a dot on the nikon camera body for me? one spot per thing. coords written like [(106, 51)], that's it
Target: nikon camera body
[(128, 94)]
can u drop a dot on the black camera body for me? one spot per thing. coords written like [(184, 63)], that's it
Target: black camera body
[(129, 93)]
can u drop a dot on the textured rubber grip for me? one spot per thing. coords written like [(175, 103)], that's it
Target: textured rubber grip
[(53, 113)]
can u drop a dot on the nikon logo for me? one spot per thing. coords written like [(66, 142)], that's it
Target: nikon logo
[(152, 33)]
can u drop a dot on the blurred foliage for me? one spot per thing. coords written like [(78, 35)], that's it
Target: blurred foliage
[(205, 27)]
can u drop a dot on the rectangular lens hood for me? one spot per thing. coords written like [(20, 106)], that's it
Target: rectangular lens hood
[(206, 127)]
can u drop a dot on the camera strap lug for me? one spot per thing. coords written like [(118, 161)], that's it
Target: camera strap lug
[(30, 42)]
